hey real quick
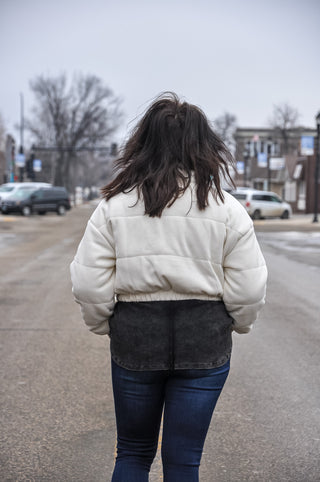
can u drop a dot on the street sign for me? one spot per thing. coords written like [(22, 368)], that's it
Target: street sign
[(20, 160), (277, 163), (262, 159), (37, 165), (307, 145), (240, 167)]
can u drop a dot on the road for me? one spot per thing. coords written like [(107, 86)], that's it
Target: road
[(57, 409)]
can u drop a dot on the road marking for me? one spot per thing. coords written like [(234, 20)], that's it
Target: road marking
[(7, 219), (115, 449), (159, 464)]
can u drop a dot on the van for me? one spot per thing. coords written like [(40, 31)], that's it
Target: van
[(28, 201), (54, 199)]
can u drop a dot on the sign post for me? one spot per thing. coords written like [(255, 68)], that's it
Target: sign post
[(316, 174)]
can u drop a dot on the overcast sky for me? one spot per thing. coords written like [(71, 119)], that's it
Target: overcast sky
[(241, 56)]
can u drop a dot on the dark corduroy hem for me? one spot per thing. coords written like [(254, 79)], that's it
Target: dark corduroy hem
[(183, 366)]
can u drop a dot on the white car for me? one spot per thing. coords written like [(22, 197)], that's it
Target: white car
[(261, 204), (10, 188)]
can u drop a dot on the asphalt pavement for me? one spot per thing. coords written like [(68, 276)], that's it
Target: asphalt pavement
[(57, 408)]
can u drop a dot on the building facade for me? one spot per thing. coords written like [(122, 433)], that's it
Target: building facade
[(282, 162)]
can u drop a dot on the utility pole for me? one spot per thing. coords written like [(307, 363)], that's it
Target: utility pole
[(316, 174), (21, 121), (21, 161), (269, 144), (10, 157), (246, 155)]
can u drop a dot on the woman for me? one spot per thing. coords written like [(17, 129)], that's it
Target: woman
[(169, 266)]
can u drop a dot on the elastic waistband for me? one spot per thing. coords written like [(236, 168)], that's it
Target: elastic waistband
[(165, 296)]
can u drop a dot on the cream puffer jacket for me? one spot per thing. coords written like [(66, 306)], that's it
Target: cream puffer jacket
[(125, 255)]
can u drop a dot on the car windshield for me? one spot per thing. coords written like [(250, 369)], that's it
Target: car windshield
[(6, 188)]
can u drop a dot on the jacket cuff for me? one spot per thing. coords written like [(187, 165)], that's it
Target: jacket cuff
[(102, 329)]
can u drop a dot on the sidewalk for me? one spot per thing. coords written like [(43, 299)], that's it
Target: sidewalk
[(297, 222)]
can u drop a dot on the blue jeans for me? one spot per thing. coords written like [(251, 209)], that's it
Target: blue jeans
[(188, 397)]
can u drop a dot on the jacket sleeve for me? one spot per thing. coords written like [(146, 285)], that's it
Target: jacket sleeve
[(245, 278), (93, 272)]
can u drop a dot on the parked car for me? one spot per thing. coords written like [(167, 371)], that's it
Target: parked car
[(51, 199), (37, 201), (261, 204), (19, 201), (10, 188)]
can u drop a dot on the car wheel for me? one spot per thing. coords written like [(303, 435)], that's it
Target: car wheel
[(285, 214), (61, 210), (26, 210), (256, 214)]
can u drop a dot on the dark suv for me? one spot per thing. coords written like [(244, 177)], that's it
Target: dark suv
[(39, 200), (50, 199)]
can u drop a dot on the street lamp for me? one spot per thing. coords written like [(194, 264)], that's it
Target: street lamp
[(316, 174)]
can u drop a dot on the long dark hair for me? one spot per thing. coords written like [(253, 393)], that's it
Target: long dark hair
[(172, 140)]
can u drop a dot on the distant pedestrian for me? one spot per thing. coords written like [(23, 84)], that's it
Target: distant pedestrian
[(169, 266)]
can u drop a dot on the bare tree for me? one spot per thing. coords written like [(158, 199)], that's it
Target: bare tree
[(84, 114), (284, 118), (2, 133), (225, 126), (3, 153)]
